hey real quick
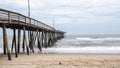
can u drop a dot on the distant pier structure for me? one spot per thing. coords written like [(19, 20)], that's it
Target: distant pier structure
[(28, 30)]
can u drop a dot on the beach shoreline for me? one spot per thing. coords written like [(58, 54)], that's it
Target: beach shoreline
[(45, 60)]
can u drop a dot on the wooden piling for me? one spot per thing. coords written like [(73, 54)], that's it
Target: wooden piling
[(38, 40), (48, 39), (30, 37), (5, 41), (19, 37), (45, 34), (25, 39), (23, 43), (4, 49), (14, 45), (42, 37)]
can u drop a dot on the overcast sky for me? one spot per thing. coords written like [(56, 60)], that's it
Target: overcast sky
[(72, 16)]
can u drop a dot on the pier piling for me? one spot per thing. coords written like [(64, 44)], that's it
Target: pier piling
[(19, 38), (5, 41)]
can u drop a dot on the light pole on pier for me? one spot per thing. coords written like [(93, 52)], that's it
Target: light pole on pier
[(28, 8), (53, 23)]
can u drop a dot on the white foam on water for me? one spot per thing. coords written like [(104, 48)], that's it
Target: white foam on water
[(84, 50), (98, 39), (83, 38)]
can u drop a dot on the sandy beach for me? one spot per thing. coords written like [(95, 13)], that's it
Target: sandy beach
[(38, 60)]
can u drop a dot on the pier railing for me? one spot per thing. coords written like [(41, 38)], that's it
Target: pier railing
[(16, 18)]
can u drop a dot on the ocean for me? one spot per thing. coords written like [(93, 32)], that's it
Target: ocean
[(87, 44), (108, 43)]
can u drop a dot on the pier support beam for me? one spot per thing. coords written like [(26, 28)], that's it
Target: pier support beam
[(5, 41), (50, 40), (14, 45), (42, 37), (38, 40), (4, 48), (23, 43), (45, 39), (32, 41), (25, 40), (19, 37)]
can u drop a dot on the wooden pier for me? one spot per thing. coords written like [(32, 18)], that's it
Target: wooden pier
[(33, 32)]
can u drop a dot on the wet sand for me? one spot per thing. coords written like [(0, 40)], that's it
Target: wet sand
[(39, 60)]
